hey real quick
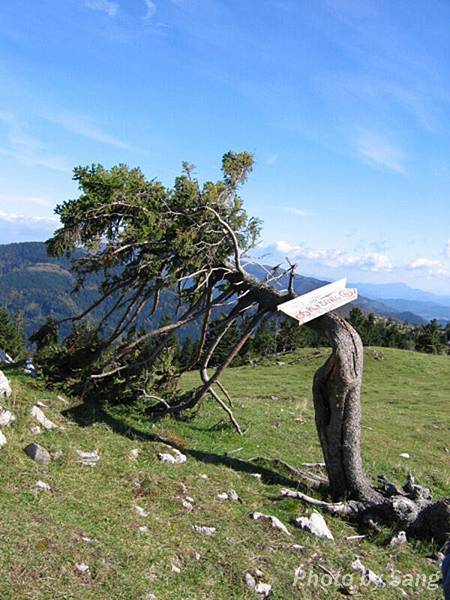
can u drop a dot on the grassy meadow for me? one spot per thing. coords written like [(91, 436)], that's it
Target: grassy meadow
[(89, 516)]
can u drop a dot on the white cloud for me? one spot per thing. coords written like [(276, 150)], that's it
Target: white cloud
[(368, 261), (447, 249), (81, 126), (151, 9), (15, 218), (18, 200), (296, 211), (379, 152), (106, 6)]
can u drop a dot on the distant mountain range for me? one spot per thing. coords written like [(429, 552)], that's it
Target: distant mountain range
[(39, 286), (403, 298)]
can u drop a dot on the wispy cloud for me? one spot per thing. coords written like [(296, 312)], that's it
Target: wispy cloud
[(84, 127), (25, 148), (298, 212), (105, 6), (20, 200), (15, 218), (447, 249), (380, 152), (369, 261), (151, 9), (271, 159)]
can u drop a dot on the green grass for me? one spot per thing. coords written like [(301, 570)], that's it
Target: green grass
[(405, 409)]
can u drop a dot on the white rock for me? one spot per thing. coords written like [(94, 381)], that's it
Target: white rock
[(189, 499), (367, 573), (275, 522), (57, 455), (5, 358), (274, 397), (5, 387), (150, 597), (262, 589), (176, 569), (398, 539), (203, 476), (186, 505), (88, 459), (256, 476), (405, 455), (202, 530), (143, 529), (230, 495), (315, 524), (6, 417), (37, 413), (41, 485), (36, 430), (87, 539), (41, 404), (2, 439), (134, 453), (177, 458), (297, 548), (140, 511), (83, 569)]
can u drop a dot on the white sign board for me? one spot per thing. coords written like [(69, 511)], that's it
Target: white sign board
[(318, 302)]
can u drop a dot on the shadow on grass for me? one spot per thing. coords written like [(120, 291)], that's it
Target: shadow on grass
[(86, 415)]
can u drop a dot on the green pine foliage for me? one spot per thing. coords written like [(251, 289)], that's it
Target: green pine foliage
[(12, 336)]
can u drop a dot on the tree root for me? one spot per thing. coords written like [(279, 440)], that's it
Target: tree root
[(409, 508)]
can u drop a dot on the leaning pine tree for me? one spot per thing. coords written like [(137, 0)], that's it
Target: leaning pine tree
[(144, 240)]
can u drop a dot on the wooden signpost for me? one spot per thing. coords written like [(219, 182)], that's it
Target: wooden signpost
[(318, 302)]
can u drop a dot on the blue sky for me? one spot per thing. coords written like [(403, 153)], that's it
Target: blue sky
[(345, 104)]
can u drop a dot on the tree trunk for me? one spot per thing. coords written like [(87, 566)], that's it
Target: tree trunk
[(336, 396)]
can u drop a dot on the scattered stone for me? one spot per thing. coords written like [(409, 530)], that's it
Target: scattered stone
[(5, 358), (41, 485), (83, 570), (57, 455), (41, 404), (230, 495), (280, 363), (2, 439), (370, 576), (398, 539), (87, 539), (189, 499), (194, 554), (29, 368), (137, 485), (187, 505), (274, 397), (202, 530), (38, 453), (263, 590), (134, 453), (88, 459), (203, 476), (275, 522), (405, 455), (176, 569), (177, 458), (150, 597), (143, 529), (256, 476), (6, 417), (36, 430), (5, 387), (37, 413), (315, 524), (140, 511), (297, 548)]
